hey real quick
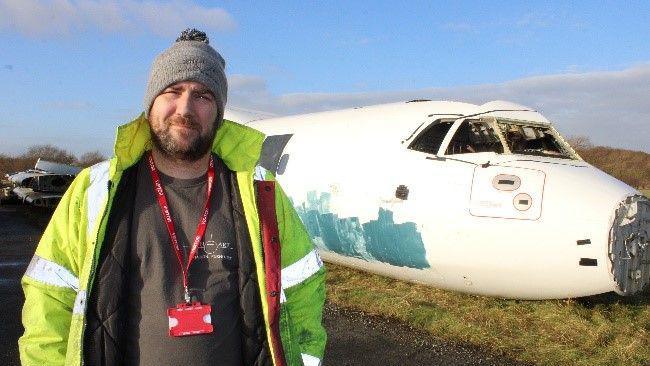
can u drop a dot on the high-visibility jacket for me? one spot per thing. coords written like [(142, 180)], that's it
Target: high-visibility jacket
[(63, 270)]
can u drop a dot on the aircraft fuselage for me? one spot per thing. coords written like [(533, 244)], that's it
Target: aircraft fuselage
[(486, 200)]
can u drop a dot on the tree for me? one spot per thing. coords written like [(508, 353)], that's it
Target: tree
[(632, 167), (580, 142), (11, 164), (90, 158), (49, 153)]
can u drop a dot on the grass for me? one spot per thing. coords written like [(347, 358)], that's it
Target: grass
[(646, 192), (601, 330)]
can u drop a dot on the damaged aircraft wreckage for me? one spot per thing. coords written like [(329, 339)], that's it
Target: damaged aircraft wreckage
[(483, 199), (44, 185)]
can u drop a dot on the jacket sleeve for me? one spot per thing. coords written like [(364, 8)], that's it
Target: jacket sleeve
[(303, 282), (51, 282)]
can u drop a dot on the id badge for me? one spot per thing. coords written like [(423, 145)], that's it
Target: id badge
[(189, 319)]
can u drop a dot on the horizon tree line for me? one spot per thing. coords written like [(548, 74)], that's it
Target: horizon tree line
[(631, 167)]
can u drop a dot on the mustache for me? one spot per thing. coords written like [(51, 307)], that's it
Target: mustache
[(183, 121)]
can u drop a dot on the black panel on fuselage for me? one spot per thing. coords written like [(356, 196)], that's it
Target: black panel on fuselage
[(272, 151)]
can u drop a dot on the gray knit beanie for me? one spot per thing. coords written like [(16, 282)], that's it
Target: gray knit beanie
[(190, 58)]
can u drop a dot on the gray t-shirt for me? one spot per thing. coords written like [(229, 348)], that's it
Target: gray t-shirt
[(155, 281)]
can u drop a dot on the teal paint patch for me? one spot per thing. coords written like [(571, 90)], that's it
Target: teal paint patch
[(379, 240)]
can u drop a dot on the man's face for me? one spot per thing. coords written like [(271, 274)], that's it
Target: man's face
[(183, 120)]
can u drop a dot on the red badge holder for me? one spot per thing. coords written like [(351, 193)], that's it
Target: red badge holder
[(189, 319)]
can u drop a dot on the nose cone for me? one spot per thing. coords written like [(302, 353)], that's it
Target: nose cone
[(629, 245)]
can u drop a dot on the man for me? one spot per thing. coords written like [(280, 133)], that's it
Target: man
[(179, 250)]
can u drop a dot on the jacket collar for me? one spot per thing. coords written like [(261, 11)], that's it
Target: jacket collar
[(239, 146)]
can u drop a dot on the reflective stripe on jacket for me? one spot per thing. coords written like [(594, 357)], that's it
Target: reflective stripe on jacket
[(62, 270)]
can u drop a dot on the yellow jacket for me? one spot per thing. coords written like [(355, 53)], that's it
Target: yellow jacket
[(61, 274)]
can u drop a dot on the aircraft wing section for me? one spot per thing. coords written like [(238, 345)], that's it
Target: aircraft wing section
[(56, 168)]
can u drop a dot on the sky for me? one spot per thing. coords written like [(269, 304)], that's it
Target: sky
[(74, 70)]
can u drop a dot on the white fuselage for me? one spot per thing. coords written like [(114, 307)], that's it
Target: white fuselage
[(547, 236)]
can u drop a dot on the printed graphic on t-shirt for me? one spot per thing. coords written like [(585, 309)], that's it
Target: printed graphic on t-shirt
[(211, 249)]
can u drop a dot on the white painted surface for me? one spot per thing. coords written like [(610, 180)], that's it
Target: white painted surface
[(476, 240)]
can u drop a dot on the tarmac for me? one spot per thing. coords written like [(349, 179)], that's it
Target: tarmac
[(354, 338)]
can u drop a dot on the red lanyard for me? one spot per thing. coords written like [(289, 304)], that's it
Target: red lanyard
[(200, 228)]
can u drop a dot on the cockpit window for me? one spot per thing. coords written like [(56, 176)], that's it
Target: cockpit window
[(430, 139), (532, 140), (474, 136)]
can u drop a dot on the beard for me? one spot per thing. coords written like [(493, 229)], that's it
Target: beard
[(192, 149)]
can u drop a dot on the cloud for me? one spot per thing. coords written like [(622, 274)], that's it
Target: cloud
[(609, 107), (246, 83), (54, 18)]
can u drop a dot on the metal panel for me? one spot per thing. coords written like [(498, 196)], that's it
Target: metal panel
[(629, 247), (57, 168), (491, 200), (272, 152)]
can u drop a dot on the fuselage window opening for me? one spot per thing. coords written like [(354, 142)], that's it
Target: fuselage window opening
[(474, 136), (532, 140), (430, 139)]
